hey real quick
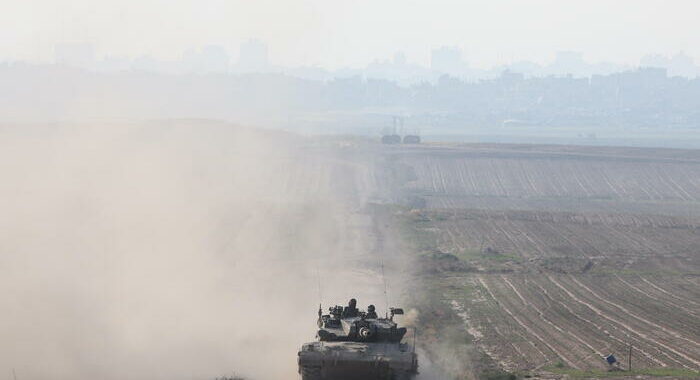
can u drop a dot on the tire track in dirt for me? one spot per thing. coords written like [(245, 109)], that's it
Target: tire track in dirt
[(647, 295), (478, 335), (526, 352), (626, 326), (635, 316), (689, 301), (600, 328), (547, 320), (524, 326), (615, 323)]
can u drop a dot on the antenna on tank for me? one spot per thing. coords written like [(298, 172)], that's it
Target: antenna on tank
[(320, 296), (386, 294), (318, 278)]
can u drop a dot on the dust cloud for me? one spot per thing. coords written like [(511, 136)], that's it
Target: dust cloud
[(173, 250)]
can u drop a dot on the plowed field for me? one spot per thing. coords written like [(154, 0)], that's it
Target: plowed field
[(554, 257)]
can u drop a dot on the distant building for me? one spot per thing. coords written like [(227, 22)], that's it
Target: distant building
[(400, 59), (678, 65), (447, 60), (253, 57), (145, 63), (115, 63), (570, 62), (210, 59), (81, 55), (510, 77)]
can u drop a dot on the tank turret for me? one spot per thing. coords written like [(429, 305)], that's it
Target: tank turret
[(355, 344)]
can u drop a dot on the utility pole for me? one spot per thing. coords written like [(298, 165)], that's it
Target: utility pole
[(629, 359)]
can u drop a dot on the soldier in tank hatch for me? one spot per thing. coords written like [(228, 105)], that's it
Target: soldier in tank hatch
[(351, 310), (371, 312)]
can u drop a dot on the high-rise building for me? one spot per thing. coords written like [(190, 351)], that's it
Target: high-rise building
[(447, 60), (400, 59), (678, 65), (569, 62)]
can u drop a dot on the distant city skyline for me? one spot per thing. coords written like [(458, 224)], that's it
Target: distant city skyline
[(336, 34), (252, 56), (447, 56), (636, 99)]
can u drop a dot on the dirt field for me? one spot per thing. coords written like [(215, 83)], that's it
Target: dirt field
[(509, 259), (553, 257), (556, 179)]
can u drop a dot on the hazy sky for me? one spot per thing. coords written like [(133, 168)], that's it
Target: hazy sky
[(335, 33)]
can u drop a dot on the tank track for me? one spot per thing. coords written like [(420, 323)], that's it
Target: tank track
[(314, 373), (311, 373)]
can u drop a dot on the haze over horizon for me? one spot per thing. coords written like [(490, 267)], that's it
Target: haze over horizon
[(334, 34), (188, 185)]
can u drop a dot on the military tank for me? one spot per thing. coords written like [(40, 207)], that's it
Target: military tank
[(352, 344)]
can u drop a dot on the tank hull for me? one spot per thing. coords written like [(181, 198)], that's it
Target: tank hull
[(353, 360)]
